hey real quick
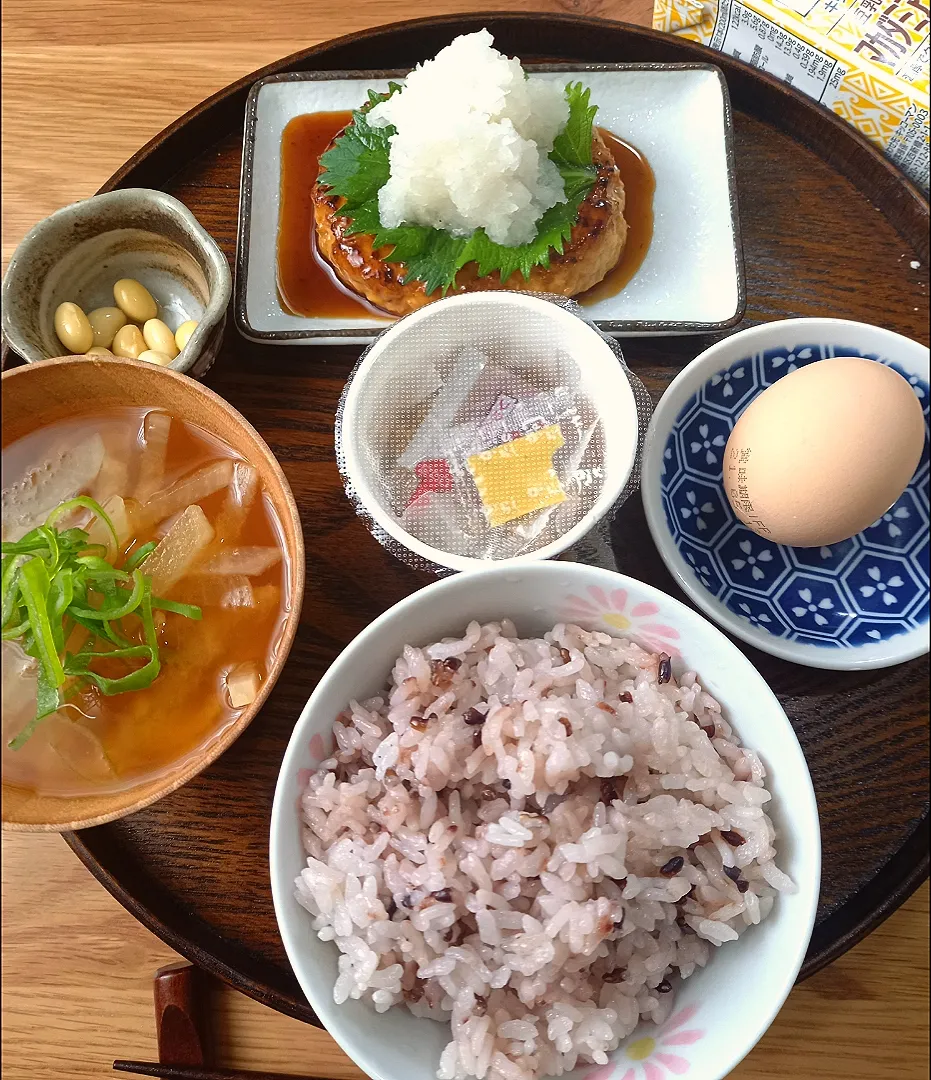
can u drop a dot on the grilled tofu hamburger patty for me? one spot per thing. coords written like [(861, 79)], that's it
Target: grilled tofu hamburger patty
[(594, 248)]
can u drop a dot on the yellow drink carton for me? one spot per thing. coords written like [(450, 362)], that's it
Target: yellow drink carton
[(866, 60)]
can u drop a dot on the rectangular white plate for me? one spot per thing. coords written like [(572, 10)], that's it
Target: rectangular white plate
[(677, 115)]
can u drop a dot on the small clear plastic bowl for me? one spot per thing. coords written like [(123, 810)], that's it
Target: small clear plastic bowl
[(497, 323)]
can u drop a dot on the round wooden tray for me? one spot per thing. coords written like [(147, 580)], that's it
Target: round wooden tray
[(828, 228)]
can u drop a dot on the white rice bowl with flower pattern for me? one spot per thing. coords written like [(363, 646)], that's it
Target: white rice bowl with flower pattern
[(534, 837)]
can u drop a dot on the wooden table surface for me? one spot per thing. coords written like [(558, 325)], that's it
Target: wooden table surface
[(85, 84)]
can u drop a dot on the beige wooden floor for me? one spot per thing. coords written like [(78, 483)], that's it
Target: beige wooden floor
[(77, 993)]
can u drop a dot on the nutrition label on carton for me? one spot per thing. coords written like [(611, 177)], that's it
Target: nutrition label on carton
[(746, 35)]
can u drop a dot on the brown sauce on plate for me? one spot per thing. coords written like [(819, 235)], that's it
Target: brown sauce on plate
[(307, 285), (639, 185)]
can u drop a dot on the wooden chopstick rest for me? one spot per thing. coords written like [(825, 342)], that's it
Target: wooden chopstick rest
[(180, 1029), (179, 1016)]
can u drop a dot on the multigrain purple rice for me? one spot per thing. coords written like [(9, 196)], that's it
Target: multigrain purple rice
[(503, 875)]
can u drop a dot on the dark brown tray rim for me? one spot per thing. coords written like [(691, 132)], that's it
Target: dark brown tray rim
[(909, 866), (611, 326), (892, 885)]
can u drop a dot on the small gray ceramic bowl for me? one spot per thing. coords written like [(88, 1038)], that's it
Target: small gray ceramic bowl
[(80, 251)]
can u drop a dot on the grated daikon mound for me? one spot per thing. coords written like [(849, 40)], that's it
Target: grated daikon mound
[(472, 145)]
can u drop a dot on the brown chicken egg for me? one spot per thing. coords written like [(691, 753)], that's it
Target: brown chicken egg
[(824, 452)]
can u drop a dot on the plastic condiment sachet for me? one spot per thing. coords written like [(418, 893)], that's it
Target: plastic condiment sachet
[(491, 456), (499, 465)]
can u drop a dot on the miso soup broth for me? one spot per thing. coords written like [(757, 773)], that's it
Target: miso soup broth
[(219, 546)]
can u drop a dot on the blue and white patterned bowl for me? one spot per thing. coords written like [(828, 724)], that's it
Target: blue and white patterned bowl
[(862, 603)]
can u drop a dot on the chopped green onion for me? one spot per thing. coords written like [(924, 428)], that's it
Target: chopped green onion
[(189, 611), (137, 556), (89, 504), (47, 702), (52, 540), (16, 632), (113, 614), (30, 543), (11, 568), (34, 589), (137, 680), (97, 567), (54, 581)]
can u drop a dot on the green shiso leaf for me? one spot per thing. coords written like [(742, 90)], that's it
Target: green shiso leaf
[(573, 145), (356, 167)]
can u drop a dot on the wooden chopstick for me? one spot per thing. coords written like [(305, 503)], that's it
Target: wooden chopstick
[(201, 1072), (181, 1042)]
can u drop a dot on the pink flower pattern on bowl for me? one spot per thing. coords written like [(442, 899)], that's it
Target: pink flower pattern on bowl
[(642, 621), (650, 1055)]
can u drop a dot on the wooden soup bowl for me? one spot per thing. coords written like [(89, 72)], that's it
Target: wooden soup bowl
[(39, 394)]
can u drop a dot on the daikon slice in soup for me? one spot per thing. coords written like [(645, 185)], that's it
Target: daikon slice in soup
[(145, 592)]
